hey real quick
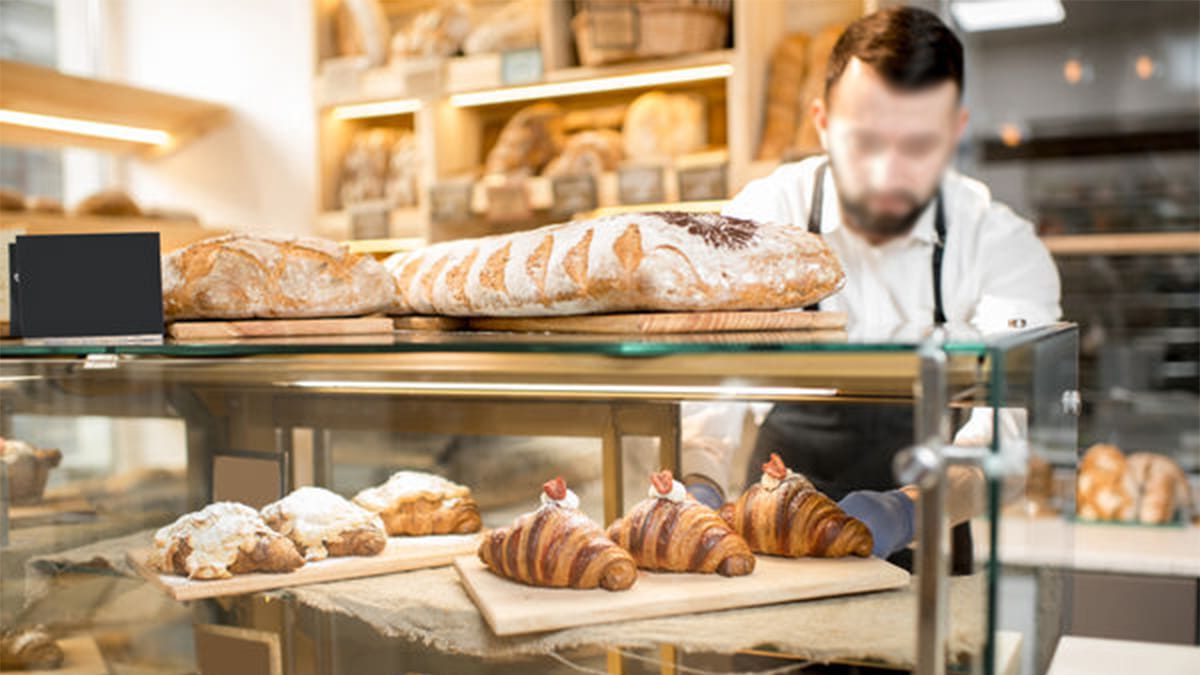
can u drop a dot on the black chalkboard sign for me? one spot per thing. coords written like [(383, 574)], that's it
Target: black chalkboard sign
[(85, 285)]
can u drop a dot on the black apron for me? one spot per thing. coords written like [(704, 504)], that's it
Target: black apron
[(842, 447)]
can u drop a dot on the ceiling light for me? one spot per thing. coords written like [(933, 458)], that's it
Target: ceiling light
[(377, 109), (70, 125), (976, 16), (592, 85)]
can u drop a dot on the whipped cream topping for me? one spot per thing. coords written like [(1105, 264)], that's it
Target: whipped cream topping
[(770, 482), (569, 500), (677, 494)]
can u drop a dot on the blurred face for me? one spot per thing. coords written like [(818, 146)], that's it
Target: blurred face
[(887, 148)]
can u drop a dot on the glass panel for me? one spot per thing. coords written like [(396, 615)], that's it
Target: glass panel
[(150, 436)]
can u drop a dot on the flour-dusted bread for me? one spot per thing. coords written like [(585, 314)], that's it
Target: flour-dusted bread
[(322, 523), (28, 468), (418, 503), (242, 276), (222, 540), (665, 261)]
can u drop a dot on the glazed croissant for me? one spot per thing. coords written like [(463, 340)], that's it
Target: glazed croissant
[(670, 531), (785, 515), (558, 546)]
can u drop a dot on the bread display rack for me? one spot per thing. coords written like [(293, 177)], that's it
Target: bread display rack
[(454, 108)]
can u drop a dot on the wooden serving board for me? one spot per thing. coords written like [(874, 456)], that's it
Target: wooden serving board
[(50, 510), (214, 330), (401, 554), (511, 608), (668, 322), (442, 323)]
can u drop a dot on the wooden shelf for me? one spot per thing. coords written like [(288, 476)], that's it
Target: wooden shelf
[(173, 233), (36, 90), (425, 78), (1130, 243)]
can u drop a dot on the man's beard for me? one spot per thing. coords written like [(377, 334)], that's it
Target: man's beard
[(882, 226)]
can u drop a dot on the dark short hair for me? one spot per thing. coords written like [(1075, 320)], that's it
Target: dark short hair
[(910, 48)]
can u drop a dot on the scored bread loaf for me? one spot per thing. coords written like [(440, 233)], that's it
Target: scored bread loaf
[(664, 261), (241, 276)]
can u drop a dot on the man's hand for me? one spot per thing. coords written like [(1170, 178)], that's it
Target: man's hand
[(890, 516), (705, 491)]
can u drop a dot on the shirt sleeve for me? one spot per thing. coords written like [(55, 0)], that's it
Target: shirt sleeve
[(1020, 279), (760, 200)]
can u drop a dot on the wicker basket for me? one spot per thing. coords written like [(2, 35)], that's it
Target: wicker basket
[(608, 31)]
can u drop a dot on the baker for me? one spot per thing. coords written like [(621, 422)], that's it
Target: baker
[(920, 244)]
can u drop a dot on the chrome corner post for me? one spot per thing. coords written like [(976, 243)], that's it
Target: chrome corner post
[(924, 465)]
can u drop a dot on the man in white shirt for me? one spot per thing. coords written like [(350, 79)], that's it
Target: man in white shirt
[(920, 244)]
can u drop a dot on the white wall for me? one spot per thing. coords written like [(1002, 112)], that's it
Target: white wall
[(258, 172)]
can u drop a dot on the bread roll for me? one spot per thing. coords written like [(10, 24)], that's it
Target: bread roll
[(1162, 487), (1104, 489), (29, 649), (528, 141), (44, 205), (109, 203), (819, 50), (28, 469), (789, 65), (664, 261), (587, 152), (660, 125), (515, 26), (242, 276), (11, 200)]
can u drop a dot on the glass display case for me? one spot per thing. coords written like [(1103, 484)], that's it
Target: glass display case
[(148, 432)]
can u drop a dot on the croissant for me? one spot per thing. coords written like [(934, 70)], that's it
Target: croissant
[(672, 532), (785, 515), (558, 546)]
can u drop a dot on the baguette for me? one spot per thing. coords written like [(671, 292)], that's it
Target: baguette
[(666, 261)]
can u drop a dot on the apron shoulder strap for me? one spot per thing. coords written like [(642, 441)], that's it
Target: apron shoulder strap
[(939, 247), (814, 212), (818, 199)]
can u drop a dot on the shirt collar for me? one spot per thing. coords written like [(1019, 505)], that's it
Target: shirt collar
[(831, 216)]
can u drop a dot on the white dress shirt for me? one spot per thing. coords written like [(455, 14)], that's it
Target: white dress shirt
[(994, 268)]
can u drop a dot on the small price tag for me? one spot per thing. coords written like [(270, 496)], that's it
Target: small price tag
[(573, 194), (370, 223), (450, 202), (703, 183), (521, 66), (508, 202), (640, 184)]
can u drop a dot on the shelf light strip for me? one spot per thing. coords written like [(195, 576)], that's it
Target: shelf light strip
[(592, 85), (726, 392), (399, 106), (119, 132)]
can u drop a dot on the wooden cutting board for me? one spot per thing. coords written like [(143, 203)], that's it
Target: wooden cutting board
[(668, 322), (511, 608), (401, 554), (216, 330)]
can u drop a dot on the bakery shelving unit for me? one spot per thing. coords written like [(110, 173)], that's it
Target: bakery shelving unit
[(264, 416), (42, 106), (456, 107)]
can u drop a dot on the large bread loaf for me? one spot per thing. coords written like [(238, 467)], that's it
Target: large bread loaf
[(243, 276), (665, 261)]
